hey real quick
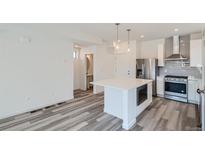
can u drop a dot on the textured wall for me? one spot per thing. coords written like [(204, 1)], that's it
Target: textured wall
[(178, 68)]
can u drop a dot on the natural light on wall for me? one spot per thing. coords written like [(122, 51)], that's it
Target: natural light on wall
[(76, 52)]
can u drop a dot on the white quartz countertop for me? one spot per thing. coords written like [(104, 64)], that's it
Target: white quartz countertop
[(122, 83)]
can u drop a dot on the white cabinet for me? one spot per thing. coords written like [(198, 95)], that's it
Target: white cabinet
[(160, 54), (193, 85), (195, 52), (160, 86)]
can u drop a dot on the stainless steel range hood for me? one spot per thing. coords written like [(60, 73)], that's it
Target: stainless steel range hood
[(176, 52)]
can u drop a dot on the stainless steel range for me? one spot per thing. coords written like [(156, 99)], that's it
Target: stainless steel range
[(176, 88)]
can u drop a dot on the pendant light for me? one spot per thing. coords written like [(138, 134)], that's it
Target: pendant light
[(116, 44), (128, 40)]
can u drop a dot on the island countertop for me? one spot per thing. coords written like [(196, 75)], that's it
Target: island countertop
[(122, 83)]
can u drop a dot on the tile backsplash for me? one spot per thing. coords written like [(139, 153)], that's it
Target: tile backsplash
[(179, 68)]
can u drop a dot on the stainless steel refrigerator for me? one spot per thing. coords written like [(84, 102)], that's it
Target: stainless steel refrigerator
[(148, 69)]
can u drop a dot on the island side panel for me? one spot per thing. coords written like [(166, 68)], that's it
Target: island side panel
[(147, 102), (129, 108), (113, 101)]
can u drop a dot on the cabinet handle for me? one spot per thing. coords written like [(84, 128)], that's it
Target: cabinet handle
[(200, 91)]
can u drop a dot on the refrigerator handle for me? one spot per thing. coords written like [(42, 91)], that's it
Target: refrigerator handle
[(143, 70)]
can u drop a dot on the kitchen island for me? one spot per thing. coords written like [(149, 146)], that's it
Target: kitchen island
[(126, 98)]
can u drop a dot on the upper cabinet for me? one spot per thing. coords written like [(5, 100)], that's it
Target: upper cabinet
[(190, 46), (153, 49), (160, 54), (184, 46), (168, 47), (195, 51), (149, 49)]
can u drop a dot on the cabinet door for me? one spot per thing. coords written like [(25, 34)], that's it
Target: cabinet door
[(150, 92), (191, 91), (160, 86), (160, 54), (195, 53), (168, 46), (184, 46), (193, 96)]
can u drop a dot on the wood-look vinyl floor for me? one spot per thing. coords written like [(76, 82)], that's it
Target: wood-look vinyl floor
[(81, 93), (85, 113)]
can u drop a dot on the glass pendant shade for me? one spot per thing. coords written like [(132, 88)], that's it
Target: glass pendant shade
[(116, 43)]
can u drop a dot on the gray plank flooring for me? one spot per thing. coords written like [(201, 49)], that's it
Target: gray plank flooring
[(85, 113)]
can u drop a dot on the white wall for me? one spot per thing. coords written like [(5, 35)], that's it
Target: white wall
[(149, 49), (40, 73), (127, 62), (35, 74), (104, 63)]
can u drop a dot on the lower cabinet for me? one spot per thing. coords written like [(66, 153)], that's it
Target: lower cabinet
[(160, 86), (193, 96)]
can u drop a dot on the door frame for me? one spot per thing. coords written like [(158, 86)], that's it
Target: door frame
[(203, 79)]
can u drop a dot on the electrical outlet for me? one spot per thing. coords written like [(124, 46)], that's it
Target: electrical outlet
[(128, 72)]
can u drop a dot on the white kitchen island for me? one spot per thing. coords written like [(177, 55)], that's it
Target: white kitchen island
[(120, 98)]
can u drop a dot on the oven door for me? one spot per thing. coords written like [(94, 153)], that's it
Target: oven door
[(142, 94), (176, 88)]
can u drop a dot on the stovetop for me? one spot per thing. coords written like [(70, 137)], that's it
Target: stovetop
[(174, 76)]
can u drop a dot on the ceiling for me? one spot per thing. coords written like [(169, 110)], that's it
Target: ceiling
[(107, 31), (149, 30)]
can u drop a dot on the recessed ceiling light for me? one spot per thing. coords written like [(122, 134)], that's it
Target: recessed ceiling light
[(176, 29), (141, 36)]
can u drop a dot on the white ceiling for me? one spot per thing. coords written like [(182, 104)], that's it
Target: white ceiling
[(149, 30), (107, 31)]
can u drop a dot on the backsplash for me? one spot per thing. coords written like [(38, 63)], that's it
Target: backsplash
[(179, 68)]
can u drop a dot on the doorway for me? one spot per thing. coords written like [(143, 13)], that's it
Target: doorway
[(89, 72), (82, 72)]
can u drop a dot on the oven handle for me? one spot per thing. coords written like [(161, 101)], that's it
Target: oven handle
[(200, 91), (176, 82)]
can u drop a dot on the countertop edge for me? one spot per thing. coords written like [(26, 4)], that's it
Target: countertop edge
[(125, 89)]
